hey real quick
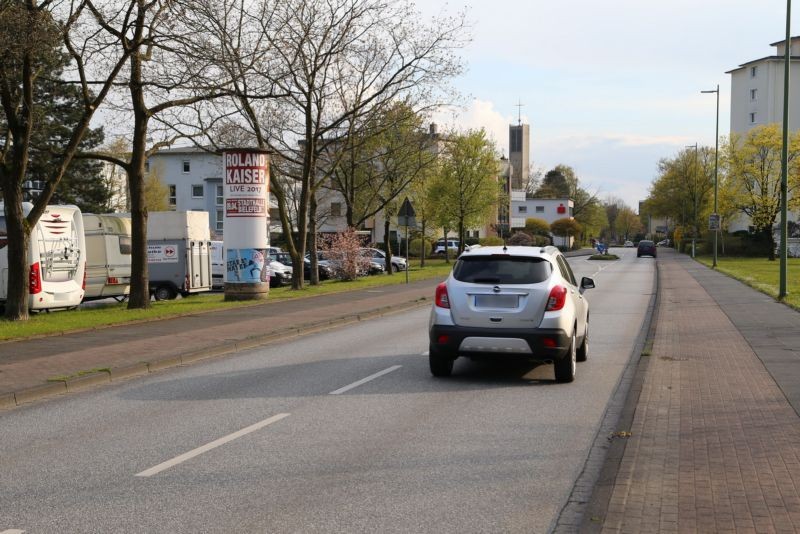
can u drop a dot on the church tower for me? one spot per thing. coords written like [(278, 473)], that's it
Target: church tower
[(519, 138)]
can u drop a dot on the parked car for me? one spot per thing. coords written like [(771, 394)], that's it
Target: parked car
[(663, 243), (629, 244), (399, 263), (366, 266), (452, 246), (511, 302), (646, 248)]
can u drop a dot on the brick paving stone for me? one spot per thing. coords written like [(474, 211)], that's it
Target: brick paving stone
[(715, 444)]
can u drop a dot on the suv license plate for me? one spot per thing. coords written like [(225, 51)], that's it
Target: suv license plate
[(496, 301)]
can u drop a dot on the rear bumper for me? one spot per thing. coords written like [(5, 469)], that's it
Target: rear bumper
[(461, 341)]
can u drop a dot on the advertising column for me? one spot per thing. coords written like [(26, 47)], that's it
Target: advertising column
[(246, 193)]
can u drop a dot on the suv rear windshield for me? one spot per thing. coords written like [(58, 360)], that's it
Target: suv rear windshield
[(500, 269)]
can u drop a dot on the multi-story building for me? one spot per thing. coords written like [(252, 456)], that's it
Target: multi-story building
[(193, 177), (757, 90), (757, 100)]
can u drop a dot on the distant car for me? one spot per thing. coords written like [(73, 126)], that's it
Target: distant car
[(504, 302), (629, 243), (399, 263), (646, 248), (452, 246), (663, 243)]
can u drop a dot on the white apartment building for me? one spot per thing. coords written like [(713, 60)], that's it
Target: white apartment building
[(757, 90), (757, 99), (193, 177)]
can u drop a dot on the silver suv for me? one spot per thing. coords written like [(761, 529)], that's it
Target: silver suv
[(503, 302)]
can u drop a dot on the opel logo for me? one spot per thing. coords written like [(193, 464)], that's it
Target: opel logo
[(496, 289)]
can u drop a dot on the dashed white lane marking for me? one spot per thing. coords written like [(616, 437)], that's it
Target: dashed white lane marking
[(365, 380), (12, 531), (213, 445)]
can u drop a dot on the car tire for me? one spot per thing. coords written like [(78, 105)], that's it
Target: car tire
[(441, 364), (164, 293), (395, 268), (565, 367), (583, 351)]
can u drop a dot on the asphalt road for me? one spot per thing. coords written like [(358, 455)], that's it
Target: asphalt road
[(342, 431)]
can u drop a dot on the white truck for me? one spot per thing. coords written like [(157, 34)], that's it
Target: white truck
[(108, 256), (57, 258), (178, 253)]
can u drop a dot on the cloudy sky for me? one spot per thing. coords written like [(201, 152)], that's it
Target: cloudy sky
[(610, 87)]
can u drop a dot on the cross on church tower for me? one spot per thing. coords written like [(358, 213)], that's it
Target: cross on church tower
[(519, 112)]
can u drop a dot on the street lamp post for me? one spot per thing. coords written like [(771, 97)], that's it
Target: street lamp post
[(785, 154), (716, 166), (694, 199)]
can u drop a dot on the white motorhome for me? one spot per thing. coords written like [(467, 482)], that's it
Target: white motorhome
[(108, 255), (57, 257)]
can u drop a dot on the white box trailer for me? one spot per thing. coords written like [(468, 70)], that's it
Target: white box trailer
[(108, 255), (217, 264), (178, 253), (57, 258)]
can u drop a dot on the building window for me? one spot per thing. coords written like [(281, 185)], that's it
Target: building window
[(173, 197), (523, 209), (218, 199), (336, 209), (197, 191), (516, 140), (752, 118), (186, 166), (539, 209), (753, 93), (220, 220), (476, 234), (147, 165), (753, 71)]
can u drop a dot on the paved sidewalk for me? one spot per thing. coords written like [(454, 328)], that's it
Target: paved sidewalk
[(28, 368), (715, 442)]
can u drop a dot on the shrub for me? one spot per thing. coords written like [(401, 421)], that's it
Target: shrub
[(343, 252), (535, 226), (520, 239)]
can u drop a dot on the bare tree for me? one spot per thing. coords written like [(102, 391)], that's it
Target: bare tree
[(35, 37), (334, 61), (169, 69)]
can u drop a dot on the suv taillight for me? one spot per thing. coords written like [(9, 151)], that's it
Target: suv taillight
[(35, 281), (442, 300), (557, 298)]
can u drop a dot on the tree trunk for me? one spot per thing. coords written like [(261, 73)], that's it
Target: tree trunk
[(312, 239), (139, 297), (387, 247), (18, 266), (423, 249)]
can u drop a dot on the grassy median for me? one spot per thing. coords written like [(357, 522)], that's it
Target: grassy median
[(761, 274), (87, 318)]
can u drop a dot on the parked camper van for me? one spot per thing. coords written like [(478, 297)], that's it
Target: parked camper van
[(57, 257), (108, 255), (178, 258)]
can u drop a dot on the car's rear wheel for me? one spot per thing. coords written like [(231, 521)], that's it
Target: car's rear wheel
[(565, 367), (441, 364), (583, 351), (396, 268)]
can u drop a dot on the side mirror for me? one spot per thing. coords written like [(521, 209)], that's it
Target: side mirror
[(586, 283)]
